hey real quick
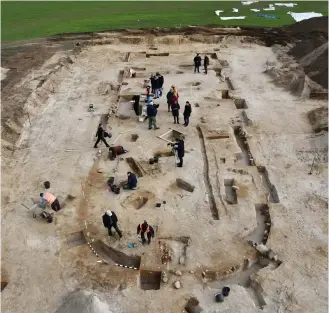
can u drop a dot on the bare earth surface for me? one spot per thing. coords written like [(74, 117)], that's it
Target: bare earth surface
[(206, 228)]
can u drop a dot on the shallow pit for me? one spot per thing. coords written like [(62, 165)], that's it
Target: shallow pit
[(230, 192), (150, 280), (135, 167), (76, 239), (240, 104), (171, 135), (192, 306)]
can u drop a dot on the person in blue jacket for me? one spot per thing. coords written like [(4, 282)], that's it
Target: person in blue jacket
[(132, 181)]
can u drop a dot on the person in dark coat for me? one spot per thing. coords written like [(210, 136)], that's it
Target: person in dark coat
[(152, 111), (170, 95), (132, 181), (179, 147), (175, 111), (206, 64), (145, 228), (152, 79), (110, 220), (136, 99), (100, 134), (160, 83), (187, 113), (197, 63)]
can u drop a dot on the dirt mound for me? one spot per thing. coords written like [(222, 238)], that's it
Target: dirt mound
[(311, 51), (312, 25), (83, 302), (319, 119)]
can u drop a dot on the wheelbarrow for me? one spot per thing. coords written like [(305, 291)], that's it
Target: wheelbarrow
[(40, 210)]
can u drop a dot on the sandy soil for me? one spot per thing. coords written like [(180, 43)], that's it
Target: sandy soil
[(56, 145)]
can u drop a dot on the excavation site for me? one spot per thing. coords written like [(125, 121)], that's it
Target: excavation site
[(238, 223)]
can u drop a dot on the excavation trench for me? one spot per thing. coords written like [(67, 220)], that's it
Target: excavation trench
[(262, 231), (109, 254), (245, 159), (212, 202), (270, 190), (243, 278)]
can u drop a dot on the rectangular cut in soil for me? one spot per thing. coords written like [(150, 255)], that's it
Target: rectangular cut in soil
[(150, 280), (231, 196), (76, 239), (171, 135), (240, 104), (135, 167)]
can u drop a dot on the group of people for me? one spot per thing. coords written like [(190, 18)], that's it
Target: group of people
[(157, 81), (110, 220), (173, 105), (197, 63)]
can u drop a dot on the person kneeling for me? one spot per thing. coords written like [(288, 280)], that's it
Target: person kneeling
[(132, 181), (116, 150)]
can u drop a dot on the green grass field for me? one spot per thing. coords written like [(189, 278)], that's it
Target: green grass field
[(23, 20)]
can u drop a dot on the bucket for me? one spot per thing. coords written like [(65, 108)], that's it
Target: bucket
[(226, 291), (219, 297)]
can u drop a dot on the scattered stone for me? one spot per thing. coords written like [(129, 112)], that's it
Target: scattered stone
[(272, 255), (177, 285), (184, 185), (100, 170), (235, 187), (165, 279), (262, 249), (192, 272), (178, 273), (203, 274), (182, 260), (203, 119), (197, 105)]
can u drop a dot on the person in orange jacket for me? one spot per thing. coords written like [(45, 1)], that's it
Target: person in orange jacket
[(47, 197), (145, 228)]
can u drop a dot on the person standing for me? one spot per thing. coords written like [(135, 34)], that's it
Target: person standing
[(179, 147), (161, 82), (175, 111), (136, 99), (152, 111), (47, 197), (206, 64), (145, 228), (197, 63), (156, 87), (152, 80), (148, 94), (187, 113), (170, 95), (100, 136), (110, 220)]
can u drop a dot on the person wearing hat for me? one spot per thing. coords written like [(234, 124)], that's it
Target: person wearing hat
[(100, 134), (110, 220), (47, 197), (145, 228), (152, 111)]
